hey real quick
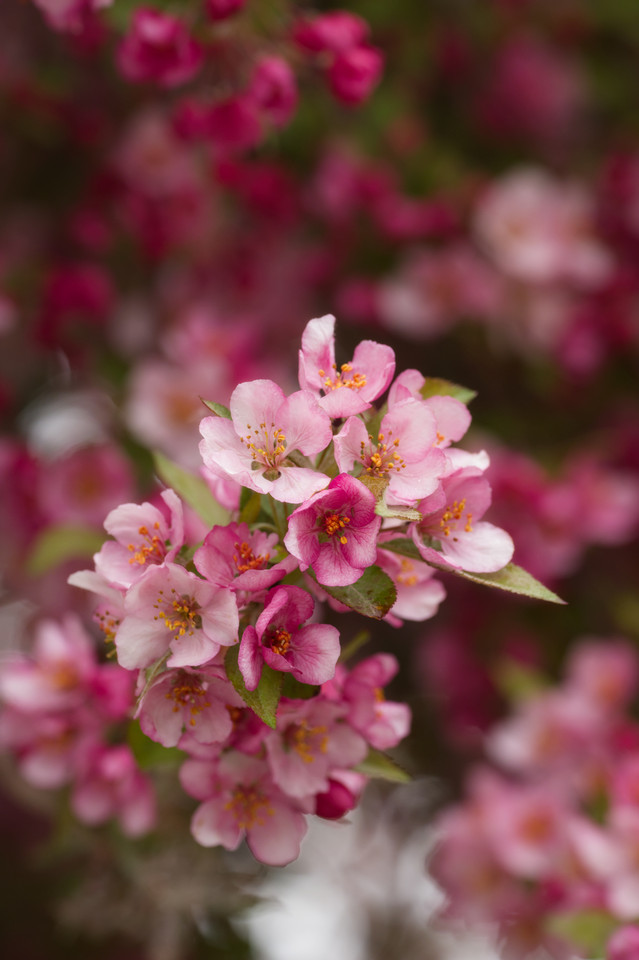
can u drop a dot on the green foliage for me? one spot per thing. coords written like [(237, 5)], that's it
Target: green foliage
[(148, 753), (193, 490), (380, 765), (264, 699), (218, 409), (436, 387), (59, 543), (372, 595)]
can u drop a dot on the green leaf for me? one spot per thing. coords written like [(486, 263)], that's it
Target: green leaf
[(397, 513), (57, 544), (217, 408), (589, 930), (250, 506), (192, 489), (380, 765), (147, 752), (435, 387), (513, 579), (402, 545), (264, 700), (359, 640), (296, 690), (517, 681), (372, 595)]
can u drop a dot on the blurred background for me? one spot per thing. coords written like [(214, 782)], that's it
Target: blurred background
[(183, 185)]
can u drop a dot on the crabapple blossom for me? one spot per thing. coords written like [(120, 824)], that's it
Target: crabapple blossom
[(113, 786), (418, 593), (280, 639), (158, 49), (237, 557), (171, 611), (144, 535), (624, 943), (451, 530), (198, 700), (403, 452), (383, 723), (247, 803), (350, 389), (254, 448), (334, 532)]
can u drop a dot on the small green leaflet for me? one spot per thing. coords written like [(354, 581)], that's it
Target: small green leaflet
[(434, 387), (372, 595), (264, 700), (192, 489), (57, 544), (380, 765), (217, 408), (148, 753), (511, 578)]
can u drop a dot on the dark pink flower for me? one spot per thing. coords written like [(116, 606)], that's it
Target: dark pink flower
[(333, 32), (158, 49), (274, 90), (235, 556), (624, 944), (382, 722), (221, 9), (335, 532), (354, 73), (280, 640)]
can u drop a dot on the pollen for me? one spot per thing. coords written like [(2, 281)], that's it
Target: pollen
[(179, 614), (267, 444), (150, 550), (454, 513), (344, 378), (307, 741), (334, 523), (381, 457), (249, 806), (245, 559), (188, 692), (279, 640)]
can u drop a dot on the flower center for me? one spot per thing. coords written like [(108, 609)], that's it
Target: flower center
[(334, 523), (249, 806), (245, 559), (344, 378), (307, 741), (180, 613), (279, 640), (267, 445), (187, 691), (451, 516), (380, 458), (150, 550), (108, 624), (407, 576)]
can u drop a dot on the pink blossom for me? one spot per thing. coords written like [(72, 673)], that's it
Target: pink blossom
[(624, 944), (312, 738), (221, 9), (452, 532), (604, 672), (67, 15), (382, 722), (280, 640), (158, 49), (335, 532), (198, 700), (418, 593), (354, 73), (169, 610), (239, 558), (246, 803), (404, 452), (112, 786), (144, 535), (335, 31), (254, 447), (234, 123), (83, 485), (452, 417), (350, 389), (274, 89)]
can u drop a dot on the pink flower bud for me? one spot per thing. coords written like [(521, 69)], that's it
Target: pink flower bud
[(274, 89), (624, 944), (158, 49), (354, 72)]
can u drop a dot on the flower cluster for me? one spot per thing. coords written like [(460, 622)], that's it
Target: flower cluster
[(330, 499), (553, 838)]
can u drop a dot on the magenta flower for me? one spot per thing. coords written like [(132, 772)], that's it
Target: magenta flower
[(335, 532), (172, 610), (158, 49), (452, 532), (144, 535), (193, 699), (246, 803), (280, 640), (254, 447), (382, 722), (350, 389), (404, 452)]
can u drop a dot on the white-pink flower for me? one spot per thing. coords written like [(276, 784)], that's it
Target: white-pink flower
[(170, 610), (254, 448), (351, 388)]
